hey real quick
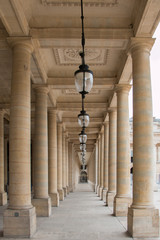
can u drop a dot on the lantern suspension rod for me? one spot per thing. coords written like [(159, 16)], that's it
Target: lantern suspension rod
[(83, 37)]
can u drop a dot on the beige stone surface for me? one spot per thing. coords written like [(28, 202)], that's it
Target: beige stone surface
[(43, 206), (122, 198), (110, 199), (143, 223), (54, 199), (61, 194), (19, 223), (52, 157)]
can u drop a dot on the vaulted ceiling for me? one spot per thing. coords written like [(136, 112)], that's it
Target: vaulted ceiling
[(55, 28)]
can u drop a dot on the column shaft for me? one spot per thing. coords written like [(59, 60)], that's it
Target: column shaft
[(112, 157), (59, 162), (20, 217), (66, 147), (64, 164), (52, 157), (105, 182), (41, 199), (122, 200), (101, 164), (143, 218)]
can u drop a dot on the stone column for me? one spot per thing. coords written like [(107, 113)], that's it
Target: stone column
[(105, 182), (52, 157), (64, 164), (143, 218), (101, 164), (99, 157), (96, 158), (3, 194), (41, 199), (6, 163), (59, 162), (112, 157), (70, 149), (20, 217), (122, 199), (66, 148)]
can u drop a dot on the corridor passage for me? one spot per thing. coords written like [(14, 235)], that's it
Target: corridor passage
[(81, 216)]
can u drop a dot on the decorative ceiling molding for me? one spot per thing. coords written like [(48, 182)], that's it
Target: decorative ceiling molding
[(74, 3), (70, 56)]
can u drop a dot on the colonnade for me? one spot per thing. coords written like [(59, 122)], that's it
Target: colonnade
[(52, 152), (143, 218), (55, 163)]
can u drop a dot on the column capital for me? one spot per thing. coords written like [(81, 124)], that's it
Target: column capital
[(112, 109), (22, 42), (41, 89), (106, 123), (122, 88), (52, 111), (140, 43)]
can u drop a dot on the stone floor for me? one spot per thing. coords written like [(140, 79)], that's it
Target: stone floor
[(81, 216)]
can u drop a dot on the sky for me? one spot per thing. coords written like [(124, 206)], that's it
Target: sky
[(155, 76)]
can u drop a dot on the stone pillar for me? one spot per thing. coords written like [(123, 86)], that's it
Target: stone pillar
[(99, 175), (3, 194), (64, 164), (41, 199), (96, 158), (101, 164), (52, 157), (59, 162), (143, 218), (6, 163), (112, 157), (122, 199), (105, 182), (66, 148), (70, 149), (20, 218)]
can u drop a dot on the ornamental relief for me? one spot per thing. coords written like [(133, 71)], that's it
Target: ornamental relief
[(70, 56), (74, 3)]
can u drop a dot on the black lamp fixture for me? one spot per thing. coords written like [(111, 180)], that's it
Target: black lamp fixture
[(83, 76), (83, 83)]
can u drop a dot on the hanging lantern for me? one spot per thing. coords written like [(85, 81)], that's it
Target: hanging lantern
[(83, 79), (83, 119), (83, 137), (82, 146)]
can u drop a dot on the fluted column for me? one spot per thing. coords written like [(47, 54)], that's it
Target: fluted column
[(101, 164), (105, 182), (41, 199), (112, 157), (64, 164), (143, 218), (52, 157), (59, 162), (122, 199), (66, 152), (20, 218), (3, 194)]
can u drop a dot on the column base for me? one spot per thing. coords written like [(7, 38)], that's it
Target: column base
[(143, 223), (19, 223), (3, 198), (54, 199), (70, 189), (104, 195), (43, 206), (98, 191), (110, 199), (61, 194), (65, 191), (101, 193), (121, 205), (95, 188)]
